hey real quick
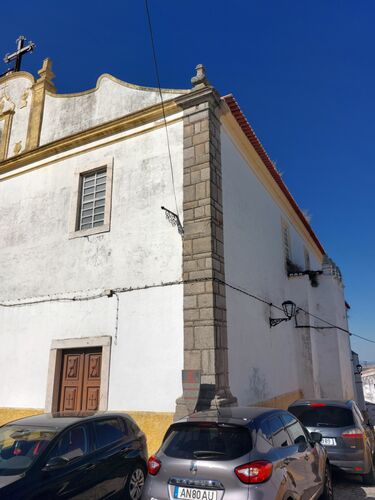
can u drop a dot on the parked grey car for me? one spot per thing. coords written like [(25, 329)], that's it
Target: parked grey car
[(348, 439), (239, 454)]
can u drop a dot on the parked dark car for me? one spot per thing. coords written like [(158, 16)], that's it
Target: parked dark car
[(348, 439), (239, 454), (72, 455)]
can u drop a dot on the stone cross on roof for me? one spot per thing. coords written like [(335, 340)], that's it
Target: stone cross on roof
[(22, 49)]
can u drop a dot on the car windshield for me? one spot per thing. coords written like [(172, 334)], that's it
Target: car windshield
[(20, 446), (323, 416), (207, 442)]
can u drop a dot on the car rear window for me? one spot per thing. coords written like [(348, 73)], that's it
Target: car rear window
[(323, 416), (21, 445), (207, 442)]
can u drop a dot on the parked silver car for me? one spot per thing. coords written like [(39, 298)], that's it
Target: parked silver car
[(348, 439), (239, 454)]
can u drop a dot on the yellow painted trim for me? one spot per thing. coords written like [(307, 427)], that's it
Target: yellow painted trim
[(281, 401), (19, 74), (153, 424), (38, 165), (127, 122), (36, 115), (122, 83), (10, 414), (260, 170), (4, 139)]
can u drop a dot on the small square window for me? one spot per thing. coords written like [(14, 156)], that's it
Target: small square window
[(91, 204)]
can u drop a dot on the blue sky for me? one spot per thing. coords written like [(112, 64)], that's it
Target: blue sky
[(303, 73)]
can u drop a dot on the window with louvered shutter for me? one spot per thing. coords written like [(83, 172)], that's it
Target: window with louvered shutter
[(286, 241), (93, 190)]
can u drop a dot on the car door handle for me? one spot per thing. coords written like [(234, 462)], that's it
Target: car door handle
[(88, 466), (126, 449)]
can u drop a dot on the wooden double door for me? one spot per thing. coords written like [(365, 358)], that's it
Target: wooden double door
[(80, 380)]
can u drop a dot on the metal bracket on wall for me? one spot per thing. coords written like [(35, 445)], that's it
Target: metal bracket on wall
[(174, 219)]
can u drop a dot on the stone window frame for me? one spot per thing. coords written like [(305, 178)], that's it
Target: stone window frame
[(74, 231), (55, 365)]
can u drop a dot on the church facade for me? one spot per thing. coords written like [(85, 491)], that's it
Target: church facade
[(146, 237)]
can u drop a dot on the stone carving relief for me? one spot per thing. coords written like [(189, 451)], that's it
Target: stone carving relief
[(6, 104), (72, 368), (24, 97), (17, 147)]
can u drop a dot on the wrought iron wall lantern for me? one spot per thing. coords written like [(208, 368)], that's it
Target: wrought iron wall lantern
[(359, 369), (289, 309)]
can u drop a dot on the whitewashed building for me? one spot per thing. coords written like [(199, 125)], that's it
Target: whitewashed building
[(103, 302), (368, 383)]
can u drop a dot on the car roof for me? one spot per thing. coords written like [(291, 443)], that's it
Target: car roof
[(62, 419), (328, 402), (232, 415)]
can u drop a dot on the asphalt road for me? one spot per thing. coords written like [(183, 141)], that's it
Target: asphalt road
[(348, 487)]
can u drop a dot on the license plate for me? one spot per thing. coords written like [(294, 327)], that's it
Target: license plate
[(194, 493), (328, 441)]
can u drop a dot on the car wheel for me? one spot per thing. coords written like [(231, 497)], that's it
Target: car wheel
[(328, 486), (135, 483), (369, 478)]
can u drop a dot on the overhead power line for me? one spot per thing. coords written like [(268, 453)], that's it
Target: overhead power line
[(161, 100), (116, 291)]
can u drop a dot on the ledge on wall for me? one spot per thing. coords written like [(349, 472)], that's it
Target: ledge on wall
[(295, 271)]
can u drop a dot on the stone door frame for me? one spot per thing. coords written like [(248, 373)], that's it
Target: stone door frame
[(55, 362)]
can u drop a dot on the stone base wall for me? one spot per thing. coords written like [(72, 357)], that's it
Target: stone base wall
[(153, 424)]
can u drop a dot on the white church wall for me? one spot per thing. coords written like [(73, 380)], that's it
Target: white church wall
[(368, 381), (147, 347), (141, 249), (66, 114), (261, 360), (266, 362)]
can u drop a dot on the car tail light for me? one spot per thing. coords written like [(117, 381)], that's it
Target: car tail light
[(317, 405), (254, 472), (153, 465), (353, 434)]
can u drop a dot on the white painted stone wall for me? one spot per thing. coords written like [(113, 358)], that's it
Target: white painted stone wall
[(66, 114), (368, 381), (141, 249), (266, 362)]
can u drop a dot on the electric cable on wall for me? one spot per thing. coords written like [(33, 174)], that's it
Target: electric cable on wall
[(116, 291)]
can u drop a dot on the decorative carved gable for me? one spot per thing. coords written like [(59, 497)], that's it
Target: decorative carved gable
[(15, 104)]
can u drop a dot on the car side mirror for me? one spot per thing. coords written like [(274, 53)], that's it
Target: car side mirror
[(56, 463), (316, 437)]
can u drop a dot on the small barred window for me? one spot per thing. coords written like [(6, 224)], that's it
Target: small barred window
[(92, 206)]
